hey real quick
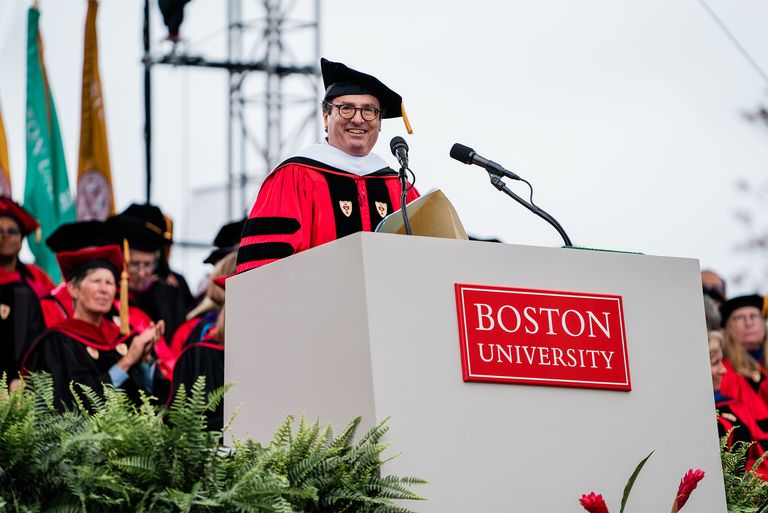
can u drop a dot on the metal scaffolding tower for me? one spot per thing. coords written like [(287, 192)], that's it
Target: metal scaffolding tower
[(273, 51)]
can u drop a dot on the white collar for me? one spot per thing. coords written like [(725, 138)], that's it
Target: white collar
[(334, 157)]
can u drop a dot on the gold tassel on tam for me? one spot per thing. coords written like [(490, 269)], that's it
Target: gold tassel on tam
[(125, 326), (38, 235), (405, 120)]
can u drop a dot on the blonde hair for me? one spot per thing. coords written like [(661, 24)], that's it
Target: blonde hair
[(715, 342), (743, 362), (214, 295)]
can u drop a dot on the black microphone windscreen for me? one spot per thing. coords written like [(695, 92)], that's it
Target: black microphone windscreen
[(462, 153), (397, 142)]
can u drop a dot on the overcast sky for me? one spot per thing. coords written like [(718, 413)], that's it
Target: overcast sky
[(627, 117)]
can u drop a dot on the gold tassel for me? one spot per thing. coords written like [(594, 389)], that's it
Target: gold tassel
[(125, 326), (765, 306), (38, 235), (405, 119)]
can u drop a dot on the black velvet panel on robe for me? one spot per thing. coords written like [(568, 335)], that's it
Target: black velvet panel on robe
[(202, 359), (21, 322), (162, 301), (67, 357)]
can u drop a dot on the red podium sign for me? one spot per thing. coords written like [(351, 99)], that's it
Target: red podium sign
[(542, 337)]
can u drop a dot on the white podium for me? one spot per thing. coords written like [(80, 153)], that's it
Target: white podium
[(367, 326)]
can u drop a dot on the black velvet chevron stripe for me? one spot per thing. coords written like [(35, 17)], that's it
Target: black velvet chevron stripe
[(271, 226), (344, 189), (378, 192), (263, 251)]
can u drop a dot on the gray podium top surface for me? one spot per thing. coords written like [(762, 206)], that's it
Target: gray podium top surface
[(367, 325)]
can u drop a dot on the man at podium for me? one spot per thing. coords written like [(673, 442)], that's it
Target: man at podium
[(334, 188)]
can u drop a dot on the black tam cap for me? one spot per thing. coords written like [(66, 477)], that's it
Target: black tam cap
[(137, 233), (733, 304), (226, 241), (217, 254), (229, 234), (82, 234), (340, 80), (152, 217)]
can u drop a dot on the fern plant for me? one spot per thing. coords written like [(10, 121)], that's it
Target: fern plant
[(109, 455), (744, 492)]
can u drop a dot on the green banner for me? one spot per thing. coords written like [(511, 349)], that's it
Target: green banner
[(46, 192)]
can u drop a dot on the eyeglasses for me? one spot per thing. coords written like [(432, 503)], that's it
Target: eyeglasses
[(10, 232), (141, 266), (743, 318), (348, 111)]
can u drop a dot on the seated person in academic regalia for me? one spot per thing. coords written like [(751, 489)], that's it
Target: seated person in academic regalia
[(205, 357), (87, 348), (735, 417), (15, 224), (203, 318), (57, 306), (146, 240), (21, 322), (164, 271), (745, 338), (227, 241), (154, 219)]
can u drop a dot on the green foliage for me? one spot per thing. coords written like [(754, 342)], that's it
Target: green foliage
[(631, 482), (109, 455), (744, 492)]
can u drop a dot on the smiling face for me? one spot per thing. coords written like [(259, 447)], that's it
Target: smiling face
[(354, 136), (94, 294)]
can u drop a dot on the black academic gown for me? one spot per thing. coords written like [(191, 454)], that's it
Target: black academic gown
[(21, 322), (75, 350), (162, 301), (205, 358)]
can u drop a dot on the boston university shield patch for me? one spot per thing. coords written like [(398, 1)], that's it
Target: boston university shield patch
[(382, 208), (346, 207), (93, 352)]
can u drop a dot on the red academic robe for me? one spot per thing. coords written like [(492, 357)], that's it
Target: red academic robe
[(736, 386), (735, 419), (37, 279), (304, 203)]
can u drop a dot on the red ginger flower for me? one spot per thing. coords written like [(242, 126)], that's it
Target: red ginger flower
[(687, 485), (594, 503)]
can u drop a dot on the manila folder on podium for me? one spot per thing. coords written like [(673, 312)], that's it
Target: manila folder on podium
[(430, 215), (368, 326)]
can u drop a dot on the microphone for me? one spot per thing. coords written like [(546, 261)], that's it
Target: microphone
[(399, 149), (467, 155)]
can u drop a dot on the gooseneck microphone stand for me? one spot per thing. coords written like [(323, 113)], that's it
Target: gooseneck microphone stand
[(500, 185), (404, 191)]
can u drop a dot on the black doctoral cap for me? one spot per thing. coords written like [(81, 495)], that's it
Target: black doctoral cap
[(226, 240), (82, 234), (229, 234), (137, 233), (340, 80), (730, 306), (152, 217)]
